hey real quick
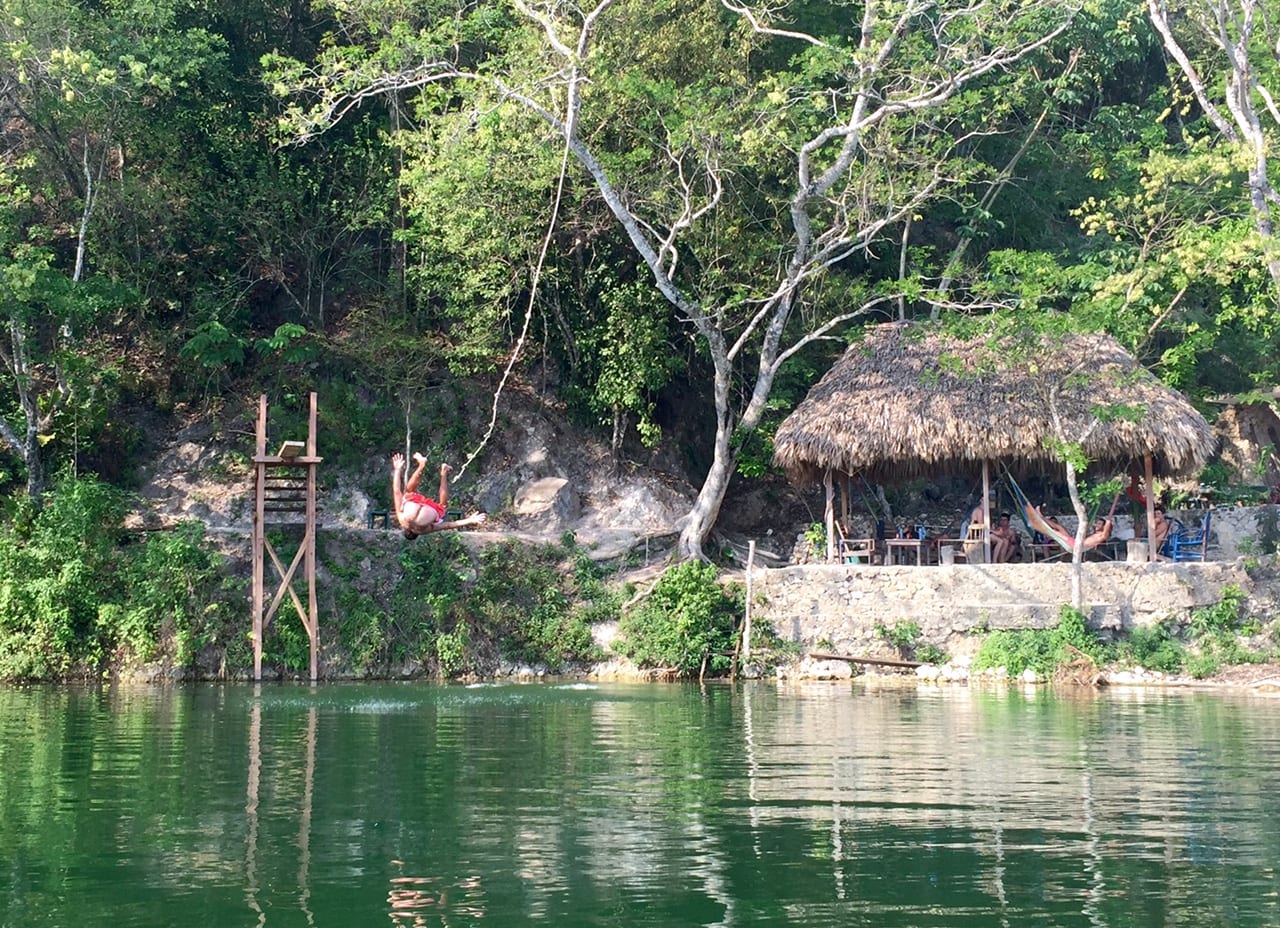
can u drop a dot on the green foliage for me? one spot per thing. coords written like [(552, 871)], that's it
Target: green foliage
[(1215, 631), (1155, 647), (214, 346), (930, 653), (687, 619), (289, 342), (1268, 540), (1017, 650), (1041, 650), (539, 611), (285, 642), (451, 650), (177, 600), (902, 635), (362, 632), (76, 600), (753, 453), (1213, 640), (1222, 616)]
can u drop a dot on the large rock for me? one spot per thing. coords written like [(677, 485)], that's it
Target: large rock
[(549, 502)]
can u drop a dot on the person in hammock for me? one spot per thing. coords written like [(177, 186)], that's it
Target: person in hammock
[(1101, 529), (418, 514)]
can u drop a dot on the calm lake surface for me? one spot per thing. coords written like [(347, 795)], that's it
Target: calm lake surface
[(633, 805)]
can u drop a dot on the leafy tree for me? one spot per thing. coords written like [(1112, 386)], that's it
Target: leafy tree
[(742, 158), (685, 624), (46, 363), (78, 76), (1225, 53)]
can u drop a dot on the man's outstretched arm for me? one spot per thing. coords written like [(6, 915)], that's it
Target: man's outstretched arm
[(397, 475), (476, 518)]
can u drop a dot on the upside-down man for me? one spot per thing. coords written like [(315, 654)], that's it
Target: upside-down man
[(418, 514)]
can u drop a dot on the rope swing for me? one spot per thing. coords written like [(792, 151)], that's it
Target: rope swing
[(528, 315)]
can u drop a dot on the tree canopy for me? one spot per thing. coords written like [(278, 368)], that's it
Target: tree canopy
[(684, 200)]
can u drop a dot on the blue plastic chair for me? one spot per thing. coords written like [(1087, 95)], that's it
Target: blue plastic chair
[(1186, 545)]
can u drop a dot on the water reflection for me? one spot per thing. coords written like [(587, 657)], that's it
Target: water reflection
[(304, 810), (418, 901), (736, 806), (251, 808)]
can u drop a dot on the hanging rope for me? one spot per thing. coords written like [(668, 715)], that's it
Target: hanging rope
[(528, 315)]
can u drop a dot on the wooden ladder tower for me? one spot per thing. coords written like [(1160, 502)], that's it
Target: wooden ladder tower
[(285, 484)]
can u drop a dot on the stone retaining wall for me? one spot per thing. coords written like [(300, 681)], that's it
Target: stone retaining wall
[(837, 607), (1233, 530)]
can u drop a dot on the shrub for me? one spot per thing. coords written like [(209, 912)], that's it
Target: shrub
[(362, 631), (905, 636), (1154, 647), (175, 596), (1042, 651), (1222, 616), (76, 597), (1017, 650), (685, 622), (539, 608)]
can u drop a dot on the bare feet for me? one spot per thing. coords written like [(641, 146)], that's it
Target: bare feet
[(419, 458)]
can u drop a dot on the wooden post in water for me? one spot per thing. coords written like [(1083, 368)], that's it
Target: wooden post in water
[(285, 483)]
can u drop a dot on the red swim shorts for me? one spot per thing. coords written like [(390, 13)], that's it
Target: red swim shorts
[(425, 501)]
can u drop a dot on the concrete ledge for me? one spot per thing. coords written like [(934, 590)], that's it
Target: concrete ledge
[(840, 605)]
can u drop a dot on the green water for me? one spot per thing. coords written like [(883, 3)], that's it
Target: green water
[(417, 805)]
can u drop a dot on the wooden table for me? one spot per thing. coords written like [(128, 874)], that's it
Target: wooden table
[(899, 548)]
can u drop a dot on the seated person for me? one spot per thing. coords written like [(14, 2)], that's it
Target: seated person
[(1005, 540), (1101, 532), (973, 527), (1159, 527)]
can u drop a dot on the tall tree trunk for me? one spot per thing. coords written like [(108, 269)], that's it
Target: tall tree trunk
[(26, 446), (1230, 28), (1082, 529)]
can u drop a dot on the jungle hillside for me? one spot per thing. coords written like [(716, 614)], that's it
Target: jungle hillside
[(666, 219)]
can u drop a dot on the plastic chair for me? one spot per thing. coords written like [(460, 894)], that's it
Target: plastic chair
[(1185, 545)]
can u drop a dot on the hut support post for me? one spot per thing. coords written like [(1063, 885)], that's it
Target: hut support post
[(1149, 473), (846, 490), (830, 518), (986, 511)]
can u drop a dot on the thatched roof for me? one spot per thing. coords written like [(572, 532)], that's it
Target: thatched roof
[(908, 402)]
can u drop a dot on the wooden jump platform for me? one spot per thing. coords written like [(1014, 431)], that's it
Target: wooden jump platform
[(285, 483)]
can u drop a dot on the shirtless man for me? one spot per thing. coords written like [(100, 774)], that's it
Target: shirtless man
[(1159, 528), (417, 514), (1004, 540)]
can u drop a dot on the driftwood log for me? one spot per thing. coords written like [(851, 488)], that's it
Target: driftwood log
[(877, 661)]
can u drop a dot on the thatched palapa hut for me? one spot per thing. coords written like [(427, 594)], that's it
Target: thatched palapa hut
[(910, 401)]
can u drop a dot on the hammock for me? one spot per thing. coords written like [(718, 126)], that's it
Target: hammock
[(1034, 520)]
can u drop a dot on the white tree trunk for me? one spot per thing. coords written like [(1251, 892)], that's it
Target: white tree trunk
[(832, 213), (1228, 25)]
